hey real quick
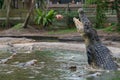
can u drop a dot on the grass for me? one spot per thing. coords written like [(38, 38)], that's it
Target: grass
[(63, 31), (18, 26), (108, 29)]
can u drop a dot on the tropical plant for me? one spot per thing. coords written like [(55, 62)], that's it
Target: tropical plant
[(44, 18)]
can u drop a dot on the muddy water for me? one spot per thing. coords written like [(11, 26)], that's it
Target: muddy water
[(52, 65)]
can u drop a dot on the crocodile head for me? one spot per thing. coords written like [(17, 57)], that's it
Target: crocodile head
[(82, 30), (79, 25), (86, 31)]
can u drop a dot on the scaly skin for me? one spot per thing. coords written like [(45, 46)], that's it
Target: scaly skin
[(98, 54)]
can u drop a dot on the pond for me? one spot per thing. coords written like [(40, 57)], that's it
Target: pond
[(52, 65)]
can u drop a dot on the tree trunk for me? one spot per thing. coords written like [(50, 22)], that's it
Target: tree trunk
[(29, 14), (8, 12)]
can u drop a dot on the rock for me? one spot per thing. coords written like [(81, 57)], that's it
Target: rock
[(4, 61), (9, 72), (29, 63), (73, 68), (94, 75)]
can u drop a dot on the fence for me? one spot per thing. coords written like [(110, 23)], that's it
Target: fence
[(20, 14)]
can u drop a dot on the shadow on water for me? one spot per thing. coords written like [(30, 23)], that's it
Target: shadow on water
[(52, 65)]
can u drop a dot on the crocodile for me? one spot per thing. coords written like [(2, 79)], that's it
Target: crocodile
[(99, 56)]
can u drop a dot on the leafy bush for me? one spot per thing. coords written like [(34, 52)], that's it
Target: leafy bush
[(44, 18)]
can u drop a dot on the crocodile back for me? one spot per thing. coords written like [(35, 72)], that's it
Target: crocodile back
[(101, 56)]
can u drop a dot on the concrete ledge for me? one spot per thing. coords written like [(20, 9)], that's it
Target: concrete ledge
[(29, 47)]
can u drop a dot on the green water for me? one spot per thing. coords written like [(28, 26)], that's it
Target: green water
[(52, 65)]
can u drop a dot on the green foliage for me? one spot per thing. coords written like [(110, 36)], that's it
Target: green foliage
[(100, 14), (1, 3), (101, 7), (18, 26), (116, 7), (44, 18), (115, 4)]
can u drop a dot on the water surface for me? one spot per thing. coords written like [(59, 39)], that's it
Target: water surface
[(52, 65)]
